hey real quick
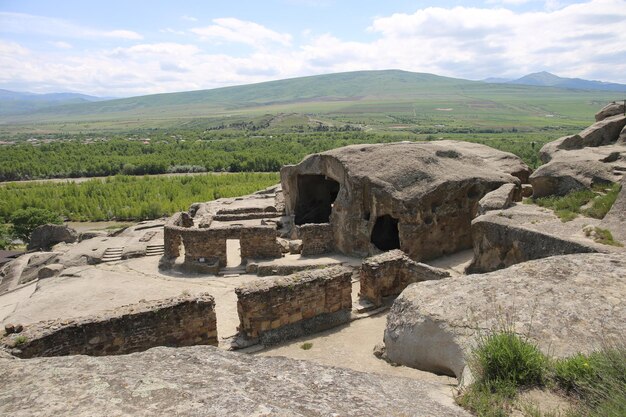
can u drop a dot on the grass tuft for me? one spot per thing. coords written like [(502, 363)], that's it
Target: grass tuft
[(568, 207), (306, 346)]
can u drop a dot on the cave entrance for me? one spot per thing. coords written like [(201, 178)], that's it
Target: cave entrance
[(385, 235), (316, 195)]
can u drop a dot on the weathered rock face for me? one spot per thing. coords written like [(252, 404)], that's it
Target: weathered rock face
[(615, 219), (525, 232), (568, 304), (611, 109), (204, 381), (578, 169), (604, 132), (417, 197), (499, 199), (48, 235)]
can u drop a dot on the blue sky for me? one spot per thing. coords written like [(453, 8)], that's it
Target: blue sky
[(122, 48)]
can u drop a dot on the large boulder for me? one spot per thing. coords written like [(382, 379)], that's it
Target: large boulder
[(525, 232), (604, 132), (419, 197), (567, 304), (46, 236), (611, 109), (579, 169), (499, 199), (206, 381)]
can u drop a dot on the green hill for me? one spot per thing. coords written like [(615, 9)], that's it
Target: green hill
[(379, 100)]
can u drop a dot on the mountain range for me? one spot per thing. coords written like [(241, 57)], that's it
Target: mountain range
[(386, 97), (546, 79)]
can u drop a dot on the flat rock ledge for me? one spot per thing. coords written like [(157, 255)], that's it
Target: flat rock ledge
[(524, 232), (205, 381), (568, 304)]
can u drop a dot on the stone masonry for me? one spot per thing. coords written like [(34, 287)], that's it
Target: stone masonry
[(175, 322), (316, 238), (281, 308), (389, 273)]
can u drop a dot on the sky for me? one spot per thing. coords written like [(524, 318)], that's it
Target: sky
[(134, 47)]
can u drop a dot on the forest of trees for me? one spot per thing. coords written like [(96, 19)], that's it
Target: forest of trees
[(125, 197), (75, 158)]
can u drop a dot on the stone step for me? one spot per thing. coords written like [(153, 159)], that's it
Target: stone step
[(155, 250), (112, 254)]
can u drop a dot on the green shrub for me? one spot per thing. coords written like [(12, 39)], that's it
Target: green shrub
[(603, 203), (602, 390), (571, 373), (566, 207), (508, 357), (26, 220), (306, 346)]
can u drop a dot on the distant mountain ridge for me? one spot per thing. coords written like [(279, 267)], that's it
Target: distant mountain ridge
[(376, 92), (16, 102), (546, 79)]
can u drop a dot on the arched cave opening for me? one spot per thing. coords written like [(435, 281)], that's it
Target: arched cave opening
[(385, 235), (316, 195)]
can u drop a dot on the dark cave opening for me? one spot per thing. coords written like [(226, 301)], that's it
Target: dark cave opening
[(316, 195), (385, 234)]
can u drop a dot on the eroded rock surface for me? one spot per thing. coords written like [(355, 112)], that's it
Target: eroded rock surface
[(499, 199), (204, 381), (615, 219), (417, 197), (568, 304), (579, 169), (525, 232), (48, 235), (611, 109)]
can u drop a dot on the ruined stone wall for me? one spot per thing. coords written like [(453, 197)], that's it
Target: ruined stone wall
[(179, 321), (390, 273), (281, 308), (316, 238), (259, 242), (206, 244), (171, 237)]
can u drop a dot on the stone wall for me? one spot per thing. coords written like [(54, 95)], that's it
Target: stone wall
[(179, 321), (275, 309), (316, 238), (259, 242), (205, 248), (389, 273)]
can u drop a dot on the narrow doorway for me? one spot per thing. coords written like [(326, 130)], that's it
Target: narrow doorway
[(233, 252)]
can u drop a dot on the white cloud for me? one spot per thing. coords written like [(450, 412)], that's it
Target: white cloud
[(241, 31), (12, 49), (188, 18), (584, 40), (61, 44), (42, 25)]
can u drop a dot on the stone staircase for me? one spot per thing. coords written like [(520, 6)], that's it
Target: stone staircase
[(155, 250), (112, 254)]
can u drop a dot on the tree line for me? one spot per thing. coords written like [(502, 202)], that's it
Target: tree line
[(198, 153)]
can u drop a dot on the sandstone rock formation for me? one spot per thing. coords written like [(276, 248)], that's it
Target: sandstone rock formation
[(579, 169), (604, 132), (48, 235), (499, 199), (611, 109), (204, 381), (596, 155), (417, 197), (568, 304), (525, 232), (615, 219)]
